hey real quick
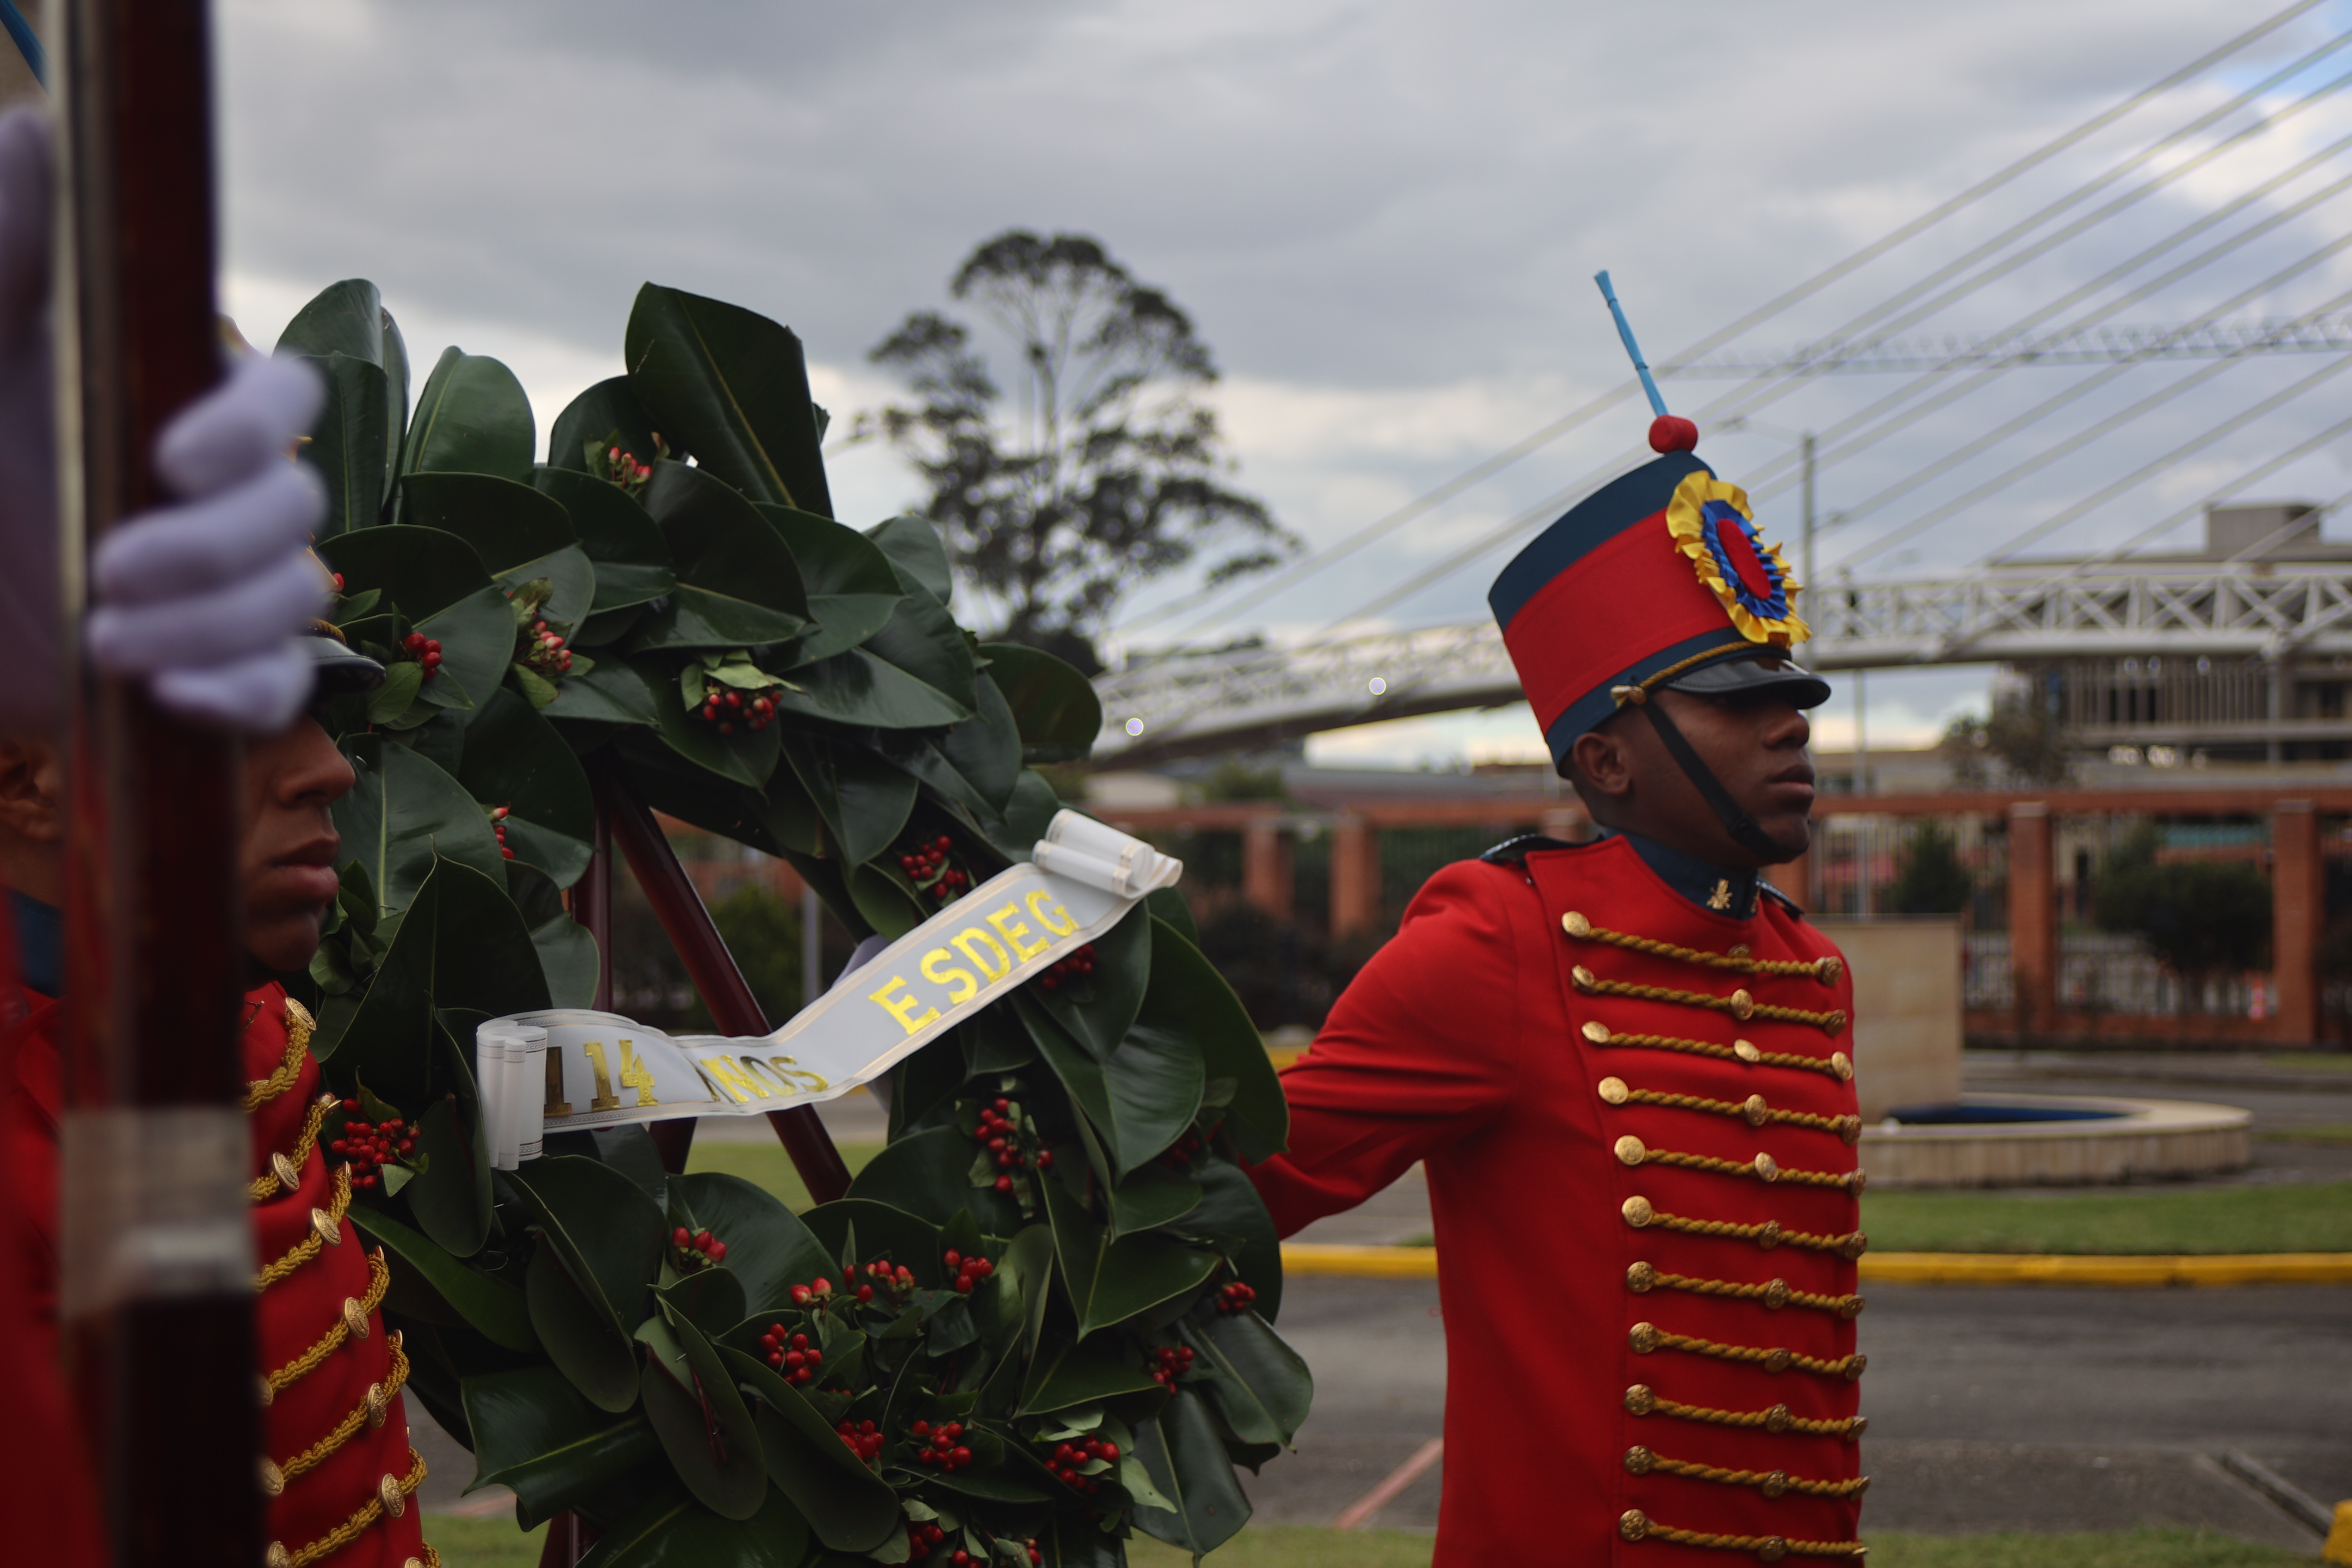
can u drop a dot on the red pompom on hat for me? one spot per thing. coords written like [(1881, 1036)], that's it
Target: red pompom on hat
[(1673, 433)]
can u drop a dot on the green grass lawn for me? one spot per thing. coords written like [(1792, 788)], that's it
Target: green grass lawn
[(768, 1165), (493, 1544), (2322, 1061), (2302, 1218), (2326, 1133)]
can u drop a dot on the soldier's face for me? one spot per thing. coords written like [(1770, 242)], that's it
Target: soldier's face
[(1754, 744), (289, 849)]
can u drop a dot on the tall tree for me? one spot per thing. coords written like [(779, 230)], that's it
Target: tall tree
[(1105, 473)]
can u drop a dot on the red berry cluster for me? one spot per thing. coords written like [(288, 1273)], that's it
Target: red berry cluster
[(427, 651), (543, 651), (368, 1147), (927, 866), (1179, 1154), (923, 1538), (1068, 1457), (818, 1290), (940, 1447), (689, 1250), (1069, 969), (726, 706), (864, 1440), (1001, 1138), (968, 1271), (499, 815), (1170, 1363), (1235, 1297), (793, 1356), (624, 469), (877, 1272), (964, 1559)]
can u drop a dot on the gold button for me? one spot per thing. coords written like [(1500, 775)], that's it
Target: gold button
[(1641, 1338), (267, 1393), (1741, 950), (1778, 1361), (1773, 1485), (379, 1405), (1767, 1168), (1854, 1246), (1576, 925), (1630, 1150), (1768, 1234), (1747, 1052), (413, 1562), (1632, 1524), (1842, 1066), (1850, 1128), (1827, 970), (1755, 1110), (1857, 1181), (273, 1479), (288, 1176), (1640, 1278), (1776, 1294), (1583, 978), (1851, 1307), (1639, 1401), (355, 1317), (277, 1556), (1743, 1005), (1771, 1549), (1855, 1364), (1637, 1211), (388, 1492), (1614, 1091), (324, 1223), (1778, 1419), (1639, 1459), (1853, 1428), (1597, 1032), (1833, 1025)]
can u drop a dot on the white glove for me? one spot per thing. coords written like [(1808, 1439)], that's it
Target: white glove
[(203, 597)]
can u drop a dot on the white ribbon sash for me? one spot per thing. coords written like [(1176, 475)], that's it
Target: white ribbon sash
[(566, 1071)]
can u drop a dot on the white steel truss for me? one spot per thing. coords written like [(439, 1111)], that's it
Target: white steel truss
[(1200, 703)]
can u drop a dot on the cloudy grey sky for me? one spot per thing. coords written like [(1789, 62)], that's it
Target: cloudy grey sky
[(1383, 218)]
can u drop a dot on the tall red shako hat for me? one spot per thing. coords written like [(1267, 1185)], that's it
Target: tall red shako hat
[(1659, 578)]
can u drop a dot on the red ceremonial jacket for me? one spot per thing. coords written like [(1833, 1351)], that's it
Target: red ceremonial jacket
[(338, 1463), (1638, 1121)]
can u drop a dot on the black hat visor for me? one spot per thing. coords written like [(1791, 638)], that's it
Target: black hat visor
[(341, 667), (1744, 674)]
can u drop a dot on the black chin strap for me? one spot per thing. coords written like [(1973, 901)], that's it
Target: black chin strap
[(1736, 822)]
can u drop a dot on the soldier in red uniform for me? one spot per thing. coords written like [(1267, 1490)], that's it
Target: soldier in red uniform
[(1623, 1066), (338, 1468)]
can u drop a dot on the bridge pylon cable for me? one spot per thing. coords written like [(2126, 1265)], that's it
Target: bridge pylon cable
[(1784, 302), (2236, 486)]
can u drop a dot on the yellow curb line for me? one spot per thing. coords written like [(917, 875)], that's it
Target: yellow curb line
[(1924, 1268)]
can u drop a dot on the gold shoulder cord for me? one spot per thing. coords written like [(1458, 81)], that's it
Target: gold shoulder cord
[(1772, 1484), (392, 1495), (1641, 1214), (1640, 1400), (1631, 1151), (326, 1229), (300, 1027), (286, 1169), (355, 1309), (1773, 1294), (1834, 1065), (1737, 962), (369, 1413), (1643, 1339), (1635, 1525), (1740, 1004), (1753, 1109)]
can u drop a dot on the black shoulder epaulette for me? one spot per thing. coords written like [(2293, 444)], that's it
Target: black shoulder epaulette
[(1513, 851), (1780, 897)]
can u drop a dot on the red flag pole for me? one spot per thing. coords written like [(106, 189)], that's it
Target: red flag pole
[(158, 1269)]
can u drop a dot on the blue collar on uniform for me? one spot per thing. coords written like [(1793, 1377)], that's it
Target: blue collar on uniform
[(1712, 888), (40, 944)]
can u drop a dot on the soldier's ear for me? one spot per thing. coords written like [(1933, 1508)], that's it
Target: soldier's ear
[(32, 790), (1599, 765)]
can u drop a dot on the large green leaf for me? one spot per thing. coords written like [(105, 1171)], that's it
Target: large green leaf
[(601, 1245), (1055, 708), (735, 385), (1261, 1386), (863, 800), (514, 758), (1100, 1009), (345, 318), (976, 764), (915, 548), (746, 757), (670, 784), (1186, 1461), (533, 1433), (1189, 1001), (608, 411), (1233, 1219), (676, 1531), (851, 587), (1110, 1281), (849, 1506), (403, 812), (593, 1351), (704, 1426), (929, 1174), (451, 1196), (497, 1311), (567, 956), (633, 560), (1151, 1196), (737, 584), (1143, 1098), (521, 533), (438, 583), (462, 944), (471, 418), (614, 692), (346, 448), (1076, 1373), (882, 1231), (767, 1247)]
